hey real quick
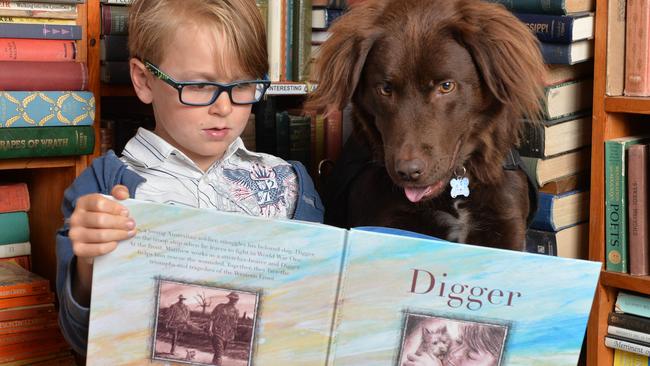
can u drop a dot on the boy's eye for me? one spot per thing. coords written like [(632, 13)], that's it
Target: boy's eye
[(200, 87)]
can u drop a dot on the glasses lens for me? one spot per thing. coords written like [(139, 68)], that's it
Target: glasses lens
[(198, 93), (248, 92)]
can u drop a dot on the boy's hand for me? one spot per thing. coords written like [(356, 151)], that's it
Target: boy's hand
[(98, 223)]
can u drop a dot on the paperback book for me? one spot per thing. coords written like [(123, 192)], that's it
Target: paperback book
[(281, 292)]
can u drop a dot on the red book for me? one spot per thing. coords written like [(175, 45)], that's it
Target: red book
[(46, 323), (21, 260), (27, 49), (637, 187), (8, 340), (15, 281), (43, 75), (333, 134), (14, 196), (26, 300), (23, 312), (637, 49)]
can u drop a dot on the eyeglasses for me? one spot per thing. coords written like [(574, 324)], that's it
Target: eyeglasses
[(203, 93)]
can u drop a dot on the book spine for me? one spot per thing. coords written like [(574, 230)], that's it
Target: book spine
[(43, 75), (627, 346), (54, 14), (24, 289), (624, 358), (40, 31), (556, 53), (14, 197), (14, 227), (26, 20), (632, 335), (637, 49), (117, 2), (553, 29), (333, 134), (46, 141), (533, 143), (541, 242), (534, 6), (21, 260), (15, 249), (637, 184), (301, 39), (614, 73), (29, 324), (543, 219), (282, 134), (41, 350), (615, 212), (26, 300), (55, 1), (114, 19), (34, 5), (115, 72), (17, 49), (7, 340), (46, 109), (114, 48), (632, 304), (629, 321)]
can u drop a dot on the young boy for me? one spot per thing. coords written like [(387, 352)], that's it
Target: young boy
[(199, 63)]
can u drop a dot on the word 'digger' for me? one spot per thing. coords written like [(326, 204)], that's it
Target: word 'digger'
[(459, 294)]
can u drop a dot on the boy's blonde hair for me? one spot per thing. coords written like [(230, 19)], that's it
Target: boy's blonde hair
[(153, 23)]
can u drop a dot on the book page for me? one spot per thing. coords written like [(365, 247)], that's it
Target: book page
[(260, 291), (401, 296)]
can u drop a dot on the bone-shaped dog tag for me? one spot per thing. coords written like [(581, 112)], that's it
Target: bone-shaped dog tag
[(459, 187)]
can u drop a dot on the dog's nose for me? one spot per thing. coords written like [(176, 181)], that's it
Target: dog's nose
[(409, 170)]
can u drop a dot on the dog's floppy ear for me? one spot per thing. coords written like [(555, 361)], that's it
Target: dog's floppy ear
[(341, 58), (506, 53)]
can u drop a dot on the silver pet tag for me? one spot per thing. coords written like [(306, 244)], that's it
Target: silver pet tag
[(459, 185)]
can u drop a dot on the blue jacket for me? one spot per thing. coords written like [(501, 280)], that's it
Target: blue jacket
[(105, 173)]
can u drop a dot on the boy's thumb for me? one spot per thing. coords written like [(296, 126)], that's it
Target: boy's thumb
[(120, 192)]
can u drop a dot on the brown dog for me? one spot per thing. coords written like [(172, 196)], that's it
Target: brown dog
[(438, 89)]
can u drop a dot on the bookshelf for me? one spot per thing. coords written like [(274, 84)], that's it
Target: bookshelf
[(48, 177), (612, 117)]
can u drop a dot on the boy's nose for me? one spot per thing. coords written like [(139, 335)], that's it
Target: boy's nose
[(222, 106)]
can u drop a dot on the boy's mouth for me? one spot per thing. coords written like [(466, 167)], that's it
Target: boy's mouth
[(216, 133)]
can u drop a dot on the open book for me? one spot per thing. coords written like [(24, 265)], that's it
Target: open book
[(311, 294)]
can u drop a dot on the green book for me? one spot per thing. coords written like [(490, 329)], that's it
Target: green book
[(46, 141), (301, 39), (14, 227), (616, 237)]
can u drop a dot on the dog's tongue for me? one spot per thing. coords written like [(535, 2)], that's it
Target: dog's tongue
[(415, 194)]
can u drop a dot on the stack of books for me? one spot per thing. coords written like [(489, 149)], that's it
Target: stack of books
[(324, 13), (556, 152), (628, 329), (14, 224), (29, 332), (44, 108), (113, 45)]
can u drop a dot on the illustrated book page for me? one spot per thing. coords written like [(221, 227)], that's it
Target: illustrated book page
[(202, 287)]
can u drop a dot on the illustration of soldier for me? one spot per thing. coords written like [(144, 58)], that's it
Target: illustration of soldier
[(222, 326), (179, 317)]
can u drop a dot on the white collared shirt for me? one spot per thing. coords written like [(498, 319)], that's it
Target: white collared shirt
[(242, 181)]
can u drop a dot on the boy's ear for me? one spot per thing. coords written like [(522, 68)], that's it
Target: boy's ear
[(140, 80)]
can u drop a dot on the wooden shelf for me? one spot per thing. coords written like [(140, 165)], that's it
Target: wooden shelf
[(623, 281), (38, 163), (636, 105)]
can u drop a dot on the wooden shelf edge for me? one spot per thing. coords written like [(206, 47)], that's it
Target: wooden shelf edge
[(40, 162), (638, 105), (640, 284)]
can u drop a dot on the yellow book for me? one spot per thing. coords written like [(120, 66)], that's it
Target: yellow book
[(623, 358), (25, 20)]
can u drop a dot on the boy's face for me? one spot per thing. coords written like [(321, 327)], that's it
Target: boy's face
[(203, 133)]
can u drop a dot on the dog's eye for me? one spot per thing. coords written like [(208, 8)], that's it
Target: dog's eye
[(446, 87), (386, 89)]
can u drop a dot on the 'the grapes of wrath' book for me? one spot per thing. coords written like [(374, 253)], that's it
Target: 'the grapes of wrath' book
[(198, 286)]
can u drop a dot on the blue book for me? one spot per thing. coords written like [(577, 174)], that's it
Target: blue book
[(628, 303), (567, 54), (46, 108), (40, 31), (558, 211), (559, 28), (313, 294), (548, 6)]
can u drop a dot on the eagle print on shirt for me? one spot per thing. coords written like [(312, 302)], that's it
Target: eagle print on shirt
[(269, 186)]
